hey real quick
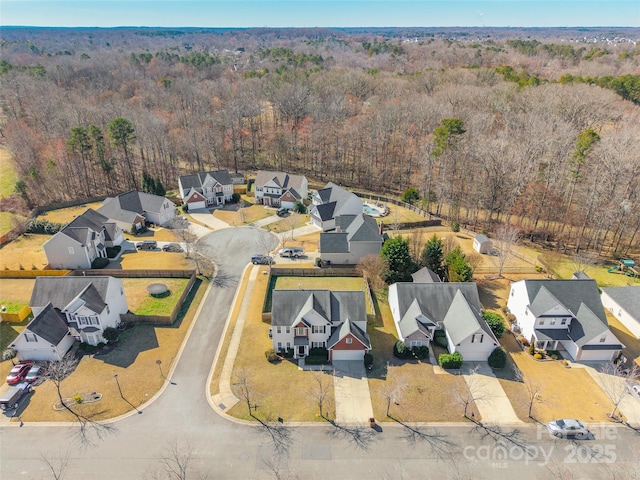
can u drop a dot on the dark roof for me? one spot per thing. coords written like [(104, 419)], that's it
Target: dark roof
[(334, 197), (552, 334), (90, 220), (580, 296), (282, 179), (50, 325), (602, 346), (317, 307), (580, 276), (333, 242), (627, 297), (425, 275), (60, 291), (346, 328), (325, 210), (127, 205), (196, 180)]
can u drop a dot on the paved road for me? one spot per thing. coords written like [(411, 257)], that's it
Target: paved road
[(223, 449)]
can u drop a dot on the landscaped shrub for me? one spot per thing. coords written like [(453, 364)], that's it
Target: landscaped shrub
[(510, 318), (287, 353), (495, 322), (537, 356), (110, 334), (368, 359), (41, 226), (455, 226), (271, 355), (421, 352), (498, 358), (400, 350), (77, 398), (315, 360), (112, 252), (99, 262), (450, 360), (235, 198), (319, 352), (532, 348), (440, 338)]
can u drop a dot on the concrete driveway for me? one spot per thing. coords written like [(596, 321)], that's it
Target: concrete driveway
[(351, 389)]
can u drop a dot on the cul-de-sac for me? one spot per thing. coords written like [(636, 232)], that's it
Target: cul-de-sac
[(319, 254)]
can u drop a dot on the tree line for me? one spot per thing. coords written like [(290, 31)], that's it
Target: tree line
[(461, 122)]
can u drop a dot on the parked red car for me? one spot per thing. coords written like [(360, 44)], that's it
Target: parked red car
[(18, 372)]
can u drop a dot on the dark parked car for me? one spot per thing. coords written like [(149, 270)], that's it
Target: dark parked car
[(11, 398), (18, 372), (282, 212), (172, 247), (258, 259), (147, 245)]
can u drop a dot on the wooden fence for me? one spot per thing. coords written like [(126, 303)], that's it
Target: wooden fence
[(432, 220), (162, 319), (33, 273), (133, 273)]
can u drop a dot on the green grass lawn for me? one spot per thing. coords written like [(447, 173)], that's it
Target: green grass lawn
[(142, 303), (13, 307), (8, 175), (10, 330)]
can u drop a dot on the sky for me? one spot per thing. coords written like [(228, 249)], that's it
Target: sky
[(320, 13)]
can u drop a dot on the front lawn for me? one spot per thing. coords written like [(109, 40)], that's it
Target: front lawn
[(142, 303), (134, 360), (243, 216), (153, 259), (279, 390), (288, 223)]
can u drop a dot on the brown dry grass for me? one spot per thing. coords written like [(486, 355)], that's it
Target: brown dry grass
[(309, 242), (159, 234), (249, 214), (156, 259), (65, 215), (286, 224), (25, 251), (134, 361), (281, 390)]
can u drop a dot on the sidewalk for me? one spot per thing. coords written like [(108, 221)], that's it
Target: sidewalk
[(226, 399), (490, 398)]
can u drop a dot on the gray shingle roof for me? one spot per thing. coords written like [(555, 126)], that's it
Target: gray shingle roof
[(579, 296), (413, 320), (350, 228), (627, 297), (482, 238), (552, 334), (50, 325), (290, 306), (60, 291), (425, 275), (90, 220), (126, 206), (324, 211), (196, 180), (281, 179), (346, 328), (464, 319), (334, 197), (332, 242)]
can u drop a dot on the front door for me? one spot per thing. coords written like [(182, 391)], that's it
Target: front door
[(301, 351)]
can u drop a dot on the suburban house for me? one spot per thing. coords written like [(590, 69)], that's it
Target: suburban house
[(425, 275), (482, 244), (133, 210), (83, 240), (624, 304), (419, 309), (564, 315), (204, 189), (354, 237), (46, 338), (335, 320), (331, 202), (279, 189), (89, 304)]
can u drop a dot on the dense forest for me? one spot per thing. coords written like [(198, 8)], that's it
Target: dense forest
[(490, 126)]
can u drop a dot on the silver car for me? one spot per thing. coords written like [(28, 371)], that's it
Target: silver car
[(568, 427)]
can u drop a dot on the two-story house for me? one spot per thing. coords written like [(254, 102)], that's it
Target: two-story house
[(89, 304), (354, 237), (331, 202), (419, 309), (564, 315), (205, 189), (83, 240), (133, 210), (279, 189), (335, 320)]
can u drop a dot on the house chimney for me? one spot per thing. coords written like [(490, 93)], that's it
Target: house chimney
[(381, 226)]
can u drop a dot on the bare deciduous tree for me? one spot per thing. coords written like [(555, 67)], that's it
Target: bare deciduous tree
[(533, 391), (374, 268), (613, 380), (416, 245), (584, 260), (467, 390), (550, 260), (175, 463), (503, 246), (320, 391), (392, 389), (57, 463)]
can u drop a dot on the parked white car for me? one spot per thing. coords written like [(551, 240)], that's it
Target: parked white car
[(634, 389)]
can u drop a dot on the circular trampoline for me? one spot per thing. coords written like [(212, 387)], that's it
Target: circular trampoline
[(158, 289)]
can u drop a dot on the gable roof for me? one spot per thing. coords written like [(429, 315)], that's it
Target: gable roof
[(196, 180), (61, 291), (49, 325), (350, 228), (463, 319), (414, 320), (425, 275), (89, 221), (333, 242), (627, 297), (579, 296), (346, 328), (282, 179), (126, 206), (334, 197), (290, 306), (481, 238)]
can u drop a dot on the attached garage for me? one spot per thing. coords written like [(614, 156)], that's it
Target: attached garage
[(597, 354), (347, 355)]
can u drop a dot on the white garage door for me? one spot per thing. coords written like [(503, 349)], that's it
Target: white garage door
[(197, 205), (597, 355), (348, 355)]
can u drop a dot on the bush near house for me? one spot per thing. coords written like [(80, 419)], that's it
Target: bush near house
[(400, 350), (495, 322), (271, 355), (441, 339), (450, 360), (498, 358), (112, 252), (99, 262), (110, 334), (317, 356), (368, 359)]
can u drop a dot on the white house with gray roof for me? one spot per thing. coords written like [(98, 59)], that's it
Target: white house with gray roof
[(46, 338), (331, 202), (133, 210), (206, 189), (624, 304), (83, 240), (335, 320), (279, 189), (354, 237), (419, 309), (89, 304), (564, 315)]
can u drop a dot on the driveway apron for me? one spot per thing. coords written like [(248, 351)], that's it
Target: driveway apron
[(351, 389), (489, 396)]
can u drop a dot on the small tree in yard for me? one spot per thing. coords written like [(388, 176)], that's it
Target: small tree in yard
[(320, 391), (392, 389), (374, 268), (532, 389), (458, 270), (410, 196), (433, 256), (495, 322), (503, 245), (401, 265), (300, 208), (613, 383), (110, 334), (498, 358)]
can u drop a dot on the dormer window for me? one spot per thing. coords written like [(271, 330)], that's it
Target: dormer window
[(603, 338)]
